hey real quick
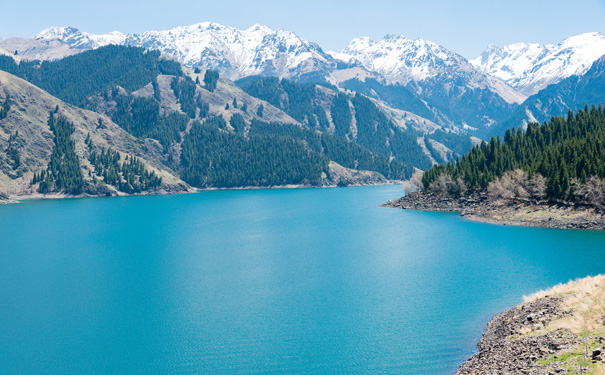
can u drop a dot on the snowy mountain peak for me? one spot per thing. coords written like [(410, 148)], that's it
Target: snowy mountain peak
[(400, 59), (530, 67), (208, 45), (81, 40)]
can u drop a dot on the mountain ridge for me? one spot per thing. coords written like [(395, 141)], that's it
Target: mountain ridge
[(531, 67)]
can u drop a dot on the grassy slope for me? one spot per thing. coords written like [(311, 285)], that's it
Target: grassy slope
[(29, 114)]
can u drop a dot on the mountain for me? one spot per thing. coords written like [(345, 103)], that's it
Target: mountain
[(572, 93), (529, 68), (451, 88), (36, 49), (441, 85), (27, 145), (235, 53), (198, 126)]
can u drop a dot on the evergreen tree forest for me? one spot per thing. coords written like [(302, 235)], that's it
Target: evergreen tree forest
[(211, 80), (212, 156), (566, 152), (375, 132), (129, 176), (5, 107), (184, 90), (339, 149), (140, 116), (75, 78), (63, 173)]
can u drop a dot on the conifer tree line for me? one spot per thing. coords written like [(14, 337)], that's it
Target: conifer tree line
[(5, 107), (561, 160), (211, 80), (74, 79), (213, 156), (374, 132), (129, 176), (63, 173), (140, 116)]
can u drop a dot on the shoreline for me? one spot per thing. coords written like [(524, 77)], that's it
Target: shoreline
[(556, 331), (477, 207), (13, 199)]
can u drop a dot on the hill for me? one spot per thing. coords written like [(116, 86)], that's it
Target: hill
[(197, 125), (559, 330), (28, 144), (549, 175)]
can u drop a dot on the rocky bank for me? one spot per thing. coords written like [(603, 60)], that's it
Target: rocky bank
[(477, 206), (559, 331)]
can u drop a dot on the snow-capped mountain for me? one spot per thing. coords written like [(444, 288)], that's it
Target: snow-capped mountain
[(438, 80), (81, 40), (531, 67), (455, 91), (401, 60), (258, 50), (572, 93)]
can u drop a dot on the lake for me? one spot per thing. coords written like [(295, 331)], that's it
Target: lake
[(306, 281)]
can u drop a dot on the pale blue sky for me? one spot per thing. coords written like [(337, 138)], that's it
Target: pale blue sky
[(465, 27)]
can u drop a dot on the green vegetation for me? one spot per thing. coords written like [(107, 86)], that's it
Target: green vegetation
[(75, 78), (214, 157), (375, 132), (141, 117), (341, 115), (63, 173), (5, 107), (569, 153), (12, 151), (238, 123), (211, 80), (184, 90), (338, 149), (378, 134), (129, 176), (295, 99)]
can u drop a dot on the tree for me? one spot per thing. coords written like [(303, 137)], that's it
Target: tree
[(211, 80), (260, 110)]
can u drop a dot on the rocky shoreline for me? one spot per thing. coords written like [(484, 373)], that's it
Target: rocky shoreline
[(478, 207), (559, 331)]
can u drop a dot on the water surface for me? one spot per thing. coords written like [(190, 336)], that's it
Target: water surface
[(309, 281)]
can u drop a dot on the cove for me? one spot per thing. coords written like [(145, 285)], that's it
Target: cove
[(305, 281)]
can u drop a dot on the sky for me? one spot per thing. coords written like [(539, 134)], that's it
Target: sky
[(465, 26)]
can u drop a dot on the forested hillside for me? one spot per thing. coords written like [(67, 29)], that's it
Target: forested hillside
[(354, 118), (562, 160), (75, 78), (204, 129)]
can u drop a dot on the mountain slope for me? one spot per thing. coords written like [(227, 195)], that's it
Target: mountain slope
[(447, 84), (26, 141), (531, 67), (572, 93), (441, 85), (235, 53), (203, 126)]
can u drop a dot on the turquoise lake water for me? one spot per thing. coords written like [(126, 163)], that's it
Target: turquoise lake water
[(309, 281)]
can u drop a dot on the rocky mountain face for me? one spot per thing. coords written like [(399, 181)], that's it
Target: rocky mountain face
[(454, 90), (447, 82), (531, 67), (572, 93), (235, 53), (127, 103), (417, 77)]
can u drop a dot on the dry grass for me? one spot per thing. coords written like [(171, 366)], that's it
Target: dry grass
[(585, 298)]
